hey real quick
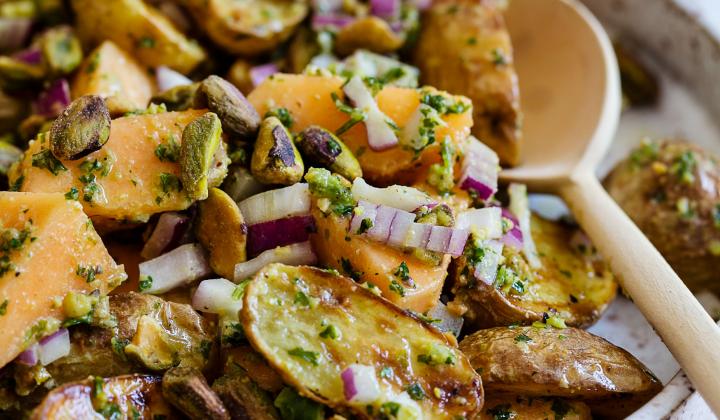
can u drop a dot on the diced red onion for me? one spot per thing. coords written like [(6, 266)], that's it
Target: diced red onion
[(178, 267), (175, 14), (29, 56), (295, 254), (486, 270), (485, 223), (326, 6), (397, 196), (457, 242), (276, 204), (334, 21), (54, 346), (422, 4), (381, 227), (280, 232), (364, 210), (381, 135), (479, 171), (513, 237), (508, 215), (53, 100), (240, 184), (360, 384), (418, 235), (399, 228), (168, 232), (520, 207), (29, 357), (447, 321), (168, 78), (262, 72), (386, 9), (14, 32), (216, 296)]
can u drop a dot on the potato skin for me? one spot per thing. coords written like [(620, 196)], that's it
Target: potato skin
[(464, 48), (568, 363), (650, 189), (577, 285)]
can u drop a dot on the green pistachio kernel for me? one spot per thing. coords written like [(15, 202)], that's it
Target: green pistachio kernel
[(81, 129), (200, 141)]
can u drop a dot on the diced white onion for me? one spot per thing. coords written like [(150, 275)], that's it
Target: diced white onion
[(364, 210), (397, 196), (54, 346), (410, 134), (276, 204), (447, 321), (520, 207), (381, 135), (486, 270), (178, 267), (168, 78), (295, 254), (216, 296), (485, 223), (360, 384)]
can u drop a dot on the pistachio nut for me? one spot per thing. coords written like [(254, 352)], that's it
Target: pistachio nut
[(323, 148), (200, 141), (187, 390), (275, 159), (178, 98), (218, 219), (61, 50), (238, 116), (82, 128)]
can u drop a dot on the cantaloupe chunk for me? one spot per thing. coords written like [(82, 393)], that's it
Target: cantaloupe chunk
[(111, 73), (56, 250), (375, 263), (309, 102), (133, 183)]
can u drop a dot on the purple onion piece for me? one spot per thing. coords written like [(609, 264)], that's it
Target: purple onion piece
[(349, 387), (281, 232), (262, 72), (334, 21), (386, 9), (53, 100), (14, 32), (167, 235), (29, 356), (54, 346), (29, 56), (483, 191)]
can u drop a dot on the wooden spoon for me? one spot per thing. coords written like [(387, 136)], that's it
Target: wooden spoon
[(571, 103)]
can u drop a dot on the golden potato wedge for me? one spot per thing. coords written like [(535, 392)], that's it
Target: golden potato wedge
[(138, 28), (311, 324), (221, 229), (129, 396), (569, 363), (571, 281), (370, 33), (517, 407), (464, 48), (248, 27)]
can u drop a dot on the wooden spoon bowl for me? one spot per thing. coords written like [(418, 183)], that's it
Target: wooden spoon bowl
[(571, 103)]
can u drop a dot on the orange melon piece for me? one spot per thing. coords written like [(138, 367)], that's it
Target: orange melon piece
[(111, 73), (55, 244), (375, 263), (309, 102), (133, 182)]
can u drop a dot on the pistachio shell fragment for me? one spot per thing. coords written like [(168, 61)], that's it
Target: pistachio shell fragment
[(275, 159), (81, 129), (221, 230), (61, 50), (187, 390), (178, 98), (238, 116), (322, 147), (200, 141)]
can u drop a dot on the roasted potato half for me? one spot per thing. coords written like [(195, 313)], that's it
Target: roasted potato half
[(137, 28), (568, 363), (248, 27), (311, 325), (128, 396), (517, 407), (671, 190), (572, 281), (464, 48)]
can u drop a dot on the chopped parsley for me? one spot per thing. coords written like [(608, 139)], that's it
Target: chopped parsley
[(349, 270), (73, 194), (46, 160), (471, 41), (508, 281), (416, 392), (684, 166), (365, 225), (324, 184), (169, 183), (3, 307), (403, 273), (522, 338), (301, 299), (17, 185), (331, 332), (145, 283), (389, 409), (498, 57), (440, 174), (397, 288), (282, 114), (436, 354), (88, 273), (356, 115), (146, 42), (118, 346), (645, 153), (308, 356), (443, 104), (168, 151)]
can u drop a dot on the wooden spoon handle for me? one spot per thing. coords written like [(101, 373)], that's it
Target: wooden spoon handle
[(685, 327)]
